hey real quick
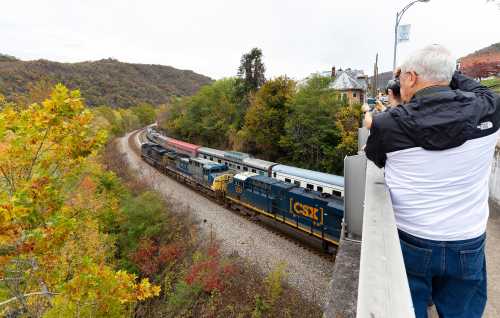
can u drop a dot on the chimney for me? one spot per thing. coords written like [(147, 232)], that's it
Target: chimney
[(334, 73)]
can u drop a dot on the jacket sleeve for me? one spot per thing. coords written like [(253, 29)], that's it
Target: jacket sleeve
[(486, 100), (374, 146)]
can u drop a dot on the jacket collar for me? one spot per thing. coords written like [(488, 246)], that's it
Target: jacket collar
[(431, 90)]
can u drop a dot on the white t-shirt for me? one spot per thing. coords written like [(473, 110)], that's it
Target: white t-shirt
[(442, 195)]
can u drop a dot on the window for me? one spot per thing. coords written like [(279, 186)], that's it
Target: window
[(253, 170), (212, 158), (204, 156), (337, 193), (219, 161), (353, 94), (245, 168), (320, 189), (239, 168), (297, 183), (274, 175), (288, 180), (310, 186)]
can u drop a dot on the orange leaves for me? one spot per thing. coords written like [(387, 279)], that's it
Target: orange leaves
[(151, 257)]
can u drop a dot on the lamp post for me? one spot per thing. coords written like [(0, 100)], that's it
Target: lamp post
[(399, 15)]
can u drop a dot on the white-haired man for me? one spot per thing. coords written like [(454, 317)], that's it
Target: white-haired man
[(437, 150)]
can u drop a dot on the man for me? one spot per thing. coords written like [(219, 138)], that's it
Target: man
[(437, 149)]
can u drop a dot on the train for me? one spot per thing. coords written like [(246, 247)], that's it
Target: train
[(325, 183), (306, 210)]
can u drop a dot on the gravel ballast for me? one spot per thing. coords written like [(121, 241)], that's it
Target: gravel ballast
[(306, 271)]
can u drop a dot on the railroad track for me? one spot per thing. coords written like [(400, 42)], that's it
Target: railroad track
[(299, 240)]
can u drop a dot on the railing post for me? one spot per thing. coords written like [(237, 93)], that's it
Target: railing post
[(354, 195)]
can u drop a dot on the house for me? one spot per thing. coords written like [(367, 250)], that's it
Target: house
[(352, 84)]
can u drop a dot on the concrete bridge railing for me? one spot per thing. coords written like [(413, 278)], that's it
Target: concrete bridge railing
[(369, 279)]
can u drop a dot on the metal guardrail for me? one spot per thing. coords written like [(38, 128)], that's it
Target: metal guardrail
[(383, 286)]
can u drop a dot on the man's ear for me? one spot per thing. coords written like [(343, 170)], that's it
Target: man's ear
[(412, 78)]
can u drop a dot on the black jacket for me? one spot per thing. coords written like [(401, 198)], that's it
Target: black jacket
[(436, 118)]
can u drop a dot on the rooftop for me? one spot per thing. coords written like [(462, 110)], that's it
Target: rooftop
[(349, 80)]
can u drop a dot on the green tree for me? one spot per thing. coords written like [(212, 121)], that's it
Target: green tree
[(209, 118), (311, 134), (265, 119), (251, 70)]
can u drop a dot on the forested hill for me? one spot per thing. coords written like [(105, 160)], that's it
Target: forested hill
[(104, 82), (482, 63)]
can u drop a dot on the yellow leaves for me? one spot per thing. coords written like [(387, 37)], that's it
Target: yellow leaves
[(145, 290), (102, 292), (51, 205)]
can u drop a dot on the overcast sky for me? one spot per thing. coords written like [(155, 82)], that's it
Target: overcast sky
[(209, 37)]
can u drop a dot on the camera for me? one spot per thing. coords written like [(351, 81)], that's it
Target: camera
[(394, 86)]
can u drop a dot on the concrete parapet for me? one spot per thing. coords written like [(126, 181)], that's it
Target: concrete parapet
[(343, 289)]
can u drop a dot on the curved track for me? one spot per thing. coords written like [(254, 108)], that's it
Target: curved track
[(308, 269), (302, 240)]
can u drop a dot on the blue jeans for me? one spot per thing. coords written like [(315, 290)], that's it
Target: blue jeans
[(450, 274)]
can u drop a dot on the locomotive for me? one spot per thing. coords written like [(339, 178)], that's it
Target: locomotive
[(306, 210)]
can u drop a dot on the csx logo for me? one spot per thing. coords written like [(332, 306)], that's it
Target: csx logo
[(306, 210)]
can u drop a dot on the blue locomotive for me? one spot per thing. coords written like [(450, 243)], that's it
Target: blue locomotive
[(307, 210)]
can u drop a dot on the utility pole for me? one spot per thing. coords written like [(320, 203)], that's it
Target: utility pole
[(375, 77)]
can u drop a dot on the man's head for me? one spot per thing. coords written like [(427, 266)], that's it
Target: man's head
[(430, 66)]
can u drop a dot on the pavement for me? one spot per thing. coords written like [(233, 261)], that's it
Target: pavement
[(493, 262)]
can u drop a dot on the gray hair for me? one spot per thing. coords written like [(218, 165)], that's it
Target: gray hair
[(433, 63)]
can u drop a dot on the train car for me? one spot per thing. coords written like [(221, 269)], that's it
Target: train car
[(153, 154), (238, 161), (205, 171), (215, 155), (307, 210), (182, 147), (326, 183), (262, 167)]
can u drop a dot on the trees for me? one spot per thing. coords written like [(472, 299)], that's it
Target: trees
[(311, 135), (251, 71), (250, 77), (265, 118), (208, 118), (53, 254)]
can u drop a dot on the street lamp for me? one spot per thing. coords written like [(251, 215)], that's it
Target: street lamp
[(399, 15)]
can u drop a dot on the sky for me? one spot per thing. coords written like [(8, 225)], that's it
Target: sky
[(297, 37)]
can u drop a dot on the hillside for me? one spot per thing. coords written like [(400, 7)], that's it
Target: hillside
[(482, 63), (104, 82)]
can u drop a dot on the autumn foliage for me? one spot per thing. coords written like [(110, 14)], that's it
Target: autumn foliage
[(82, 236), (55, 260)]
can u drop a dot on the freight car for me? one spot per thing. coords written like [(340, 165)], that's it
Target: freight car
[(306, 210)]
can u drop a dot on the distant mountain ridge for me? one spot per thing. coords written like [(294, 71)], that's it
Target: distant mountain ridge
[(103, 82)]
